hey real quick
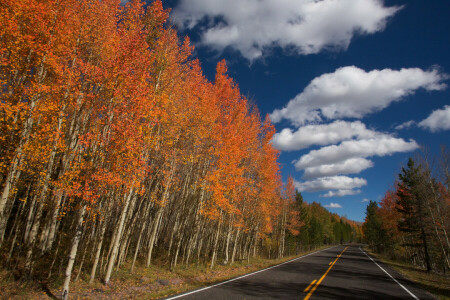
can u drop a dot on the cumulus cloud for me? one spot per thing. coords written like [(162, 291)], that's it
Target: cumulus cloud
[(320, 134), (405, 125), (330, 183), (348, 166), (365, 200), (381, 145), (353, 93), (324, 168), (438, 120), (305, 26), (340, 193), (333, 205)]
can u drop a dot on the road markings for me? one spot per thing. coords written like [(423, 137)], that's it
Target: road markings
[(323, 276), (411, 294), (211, 286), (310, 285)]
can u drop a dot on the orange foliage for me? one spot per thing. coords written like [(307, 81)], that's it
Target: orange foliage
[(100, 99), (389, 214)]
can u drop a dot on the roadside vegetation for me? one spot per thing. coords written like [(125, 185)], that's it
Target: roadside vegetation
[(436, 284), (154, 282), (409, 228)]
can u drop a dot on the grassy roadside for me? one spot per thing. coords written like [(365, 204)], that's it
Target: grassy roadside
[(438, 285), (144, 283)]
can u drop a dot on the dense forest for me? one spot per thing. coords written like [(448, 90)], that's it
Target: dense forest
[(115, 148), (412, 220)]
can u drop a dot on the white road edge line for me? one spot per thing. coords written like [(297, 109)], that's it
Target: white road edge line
[(246, 275), (412, 295)]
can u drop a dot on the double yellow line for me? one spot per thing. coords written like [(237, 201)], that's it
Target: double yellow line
[(321, 278)]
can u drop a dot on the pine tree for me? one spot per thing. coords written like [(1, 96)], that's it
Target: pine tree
[(373, 232), (411, 205)]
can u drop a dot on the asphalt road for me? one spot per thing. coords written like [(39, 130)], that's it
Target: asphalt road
[(341, 272)]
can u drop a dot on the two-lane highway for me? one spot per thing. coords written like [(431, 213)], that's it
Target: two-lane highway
[(341, 272)]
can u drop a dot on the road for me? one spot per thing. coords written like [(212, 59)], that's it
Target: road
[(340, 272)]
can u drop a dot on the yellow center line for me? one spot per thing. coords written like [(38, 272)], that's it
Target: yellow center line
[(309, 286), (323, 276)]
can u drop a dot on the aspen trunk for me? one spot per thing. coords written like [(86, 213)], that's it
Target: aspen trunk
[(97, 252), (174, 264), (174, 230), (73, 254), (29, 220), (138, 245), (119, 230), (18, 213), (9, 184), (129, 224), (32, 237), (143, 227), (228, 241), (216, 242), (153, 235), (246, 246), (197, 223), (81, 263), (55, 255), (282, 234), (54, 222), (14, 228), (255, 243), (235, 245), (159, 214), (199, 249)]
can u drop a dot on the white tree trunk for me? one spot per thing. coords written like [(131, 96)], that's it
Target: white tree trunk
[(97, 253), (216, 242), (115, 249), (73, 254)]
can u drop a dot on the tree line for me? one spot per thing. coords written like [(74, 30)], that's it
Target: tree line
[(412, 220), (320, 227), (115, 148)]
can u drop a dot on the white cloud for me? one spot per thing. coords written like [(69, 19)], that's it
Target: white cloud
[(323, 134), (340, 193), (333, 205), (330, 183), (348, 166), (365, 200), (352, 92), (438, 120), (405, 125), (347, 158), (302, 26), (324, 168), (379, 146)]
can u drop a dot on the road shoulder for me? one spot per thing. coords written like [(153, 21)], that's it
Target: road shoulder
[(424, 285)]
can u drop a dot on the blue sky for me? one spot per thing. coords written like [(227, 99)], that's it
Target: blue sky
[(354, 87)]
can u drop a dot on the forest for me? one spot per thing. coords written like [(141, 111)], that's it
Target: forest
[(114, 148), (411, 223)]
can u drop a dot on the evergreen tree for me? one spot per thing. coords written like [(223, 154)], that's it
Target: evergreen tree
[(372, 229), (411, 205)]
